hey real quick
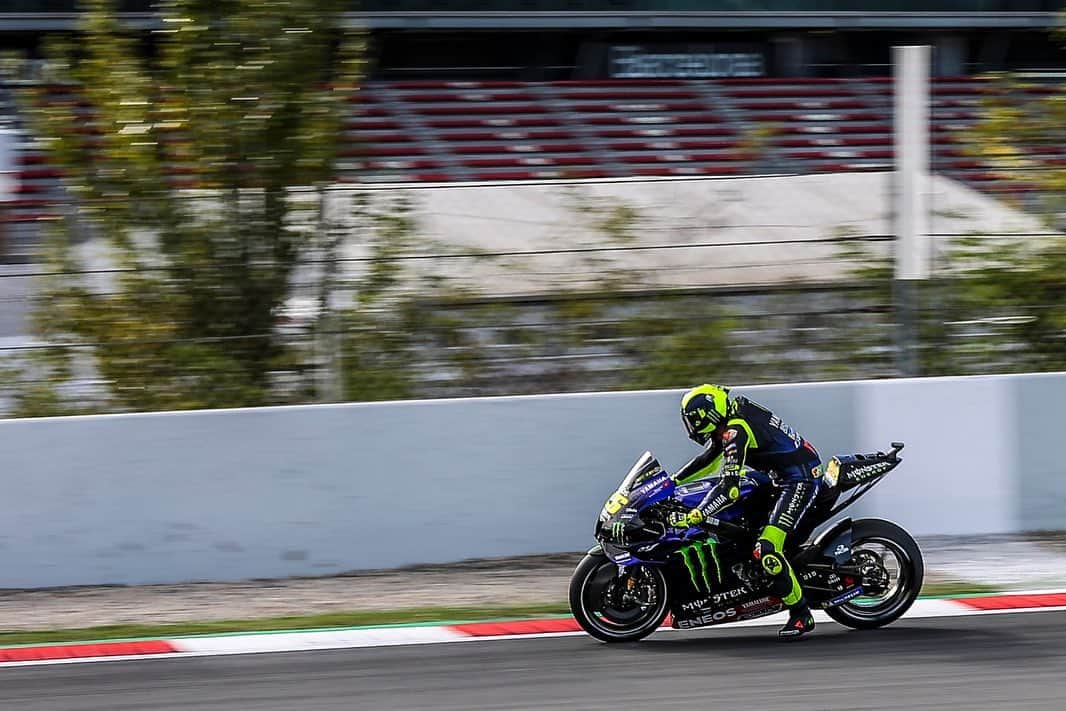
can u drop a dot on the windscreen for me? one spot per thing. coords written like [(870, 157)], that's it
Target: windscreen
[(645, 468)]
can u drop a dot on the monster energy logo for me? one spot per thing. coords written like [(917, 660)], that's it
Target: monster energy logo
[(695, 557)]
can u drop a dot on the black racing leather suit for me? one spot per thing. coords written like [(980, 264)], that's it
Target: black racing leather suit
[(753, 436)]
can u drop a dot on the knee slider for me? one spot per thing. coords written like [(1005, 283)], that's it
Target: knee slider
[(773, 564)]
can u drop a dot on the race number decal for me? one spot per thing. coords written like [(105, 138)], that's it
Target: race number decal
[(832, 471), (615, 503)]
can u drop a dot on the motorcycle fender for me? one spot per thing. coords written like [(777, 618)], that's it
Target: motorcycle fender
[(835, 542), (596, 550)]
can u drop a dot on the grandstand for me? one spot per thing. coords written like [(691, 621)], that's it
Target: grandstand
[(467, 90), (503, 92), (443, 131)]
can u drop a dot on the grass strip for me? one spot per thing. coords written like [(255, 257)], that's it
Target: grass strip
[(361, 618), (958, 589)]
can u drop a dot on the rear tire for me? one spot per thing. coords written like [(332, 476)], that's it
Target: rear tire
[(589, 587), (875, 533)]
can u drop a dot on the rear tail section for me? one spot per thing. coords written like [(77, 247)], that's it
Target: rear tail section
[(852, 470)]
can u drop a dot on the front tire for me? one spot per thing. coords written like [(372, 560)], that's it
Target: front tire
[(594, 601), (875, 538)]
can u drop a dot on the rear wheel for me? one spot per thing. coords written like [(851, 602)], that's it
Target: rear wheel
[(890, 557), (617, 605)]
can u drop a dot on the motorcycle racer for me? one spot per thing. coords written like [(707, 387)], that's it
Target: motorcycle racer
[(741, 432)]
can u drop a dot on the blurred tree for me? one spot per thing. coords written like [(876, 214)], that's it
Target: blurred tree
[(1021, 129), (1008, 295), (673, 352), (377, 330), (994, 306), (185, 153)]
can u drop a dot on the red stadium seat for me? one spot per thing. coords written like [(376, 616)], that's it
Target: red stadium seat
[(372, 125), (39, 173), (494, 122), (433, 177), (505, 135), (471, 96), (791, 91), (657, 119), (410, 149), (385, 137), (611, 83), (490, 109), (530, 161), (401, 164), (681, 157), (790, 81), (447, 130), (670, 145), (578, 173), (841, 153), (666, 131), (469, 149), (623, 94), (635, 104), (803, 105), (15, 217)]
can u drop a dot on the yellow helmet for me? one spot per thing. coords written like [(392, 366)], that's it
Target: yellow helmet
[(703, 408)]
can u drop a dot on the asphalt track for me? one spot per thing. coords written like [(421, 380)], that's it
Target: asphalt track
[(1009, 661)]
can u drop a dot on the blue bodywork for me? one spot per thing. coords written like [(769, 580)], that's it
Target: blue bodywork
[(709, 568), (648, 484)]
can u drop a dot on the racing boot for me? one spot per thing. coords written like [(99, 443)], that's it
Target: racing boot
[(800, 621)]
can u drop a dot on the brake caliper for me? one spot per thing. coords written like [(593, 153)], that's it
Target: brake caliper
[(873, 576)]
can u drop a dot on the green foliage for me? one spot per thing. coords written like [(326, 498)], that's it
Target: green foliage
[(32, 388), (995, 306), (672, 352), (377, 358), (1011, 292), (377, 332), (1023, 123), (183, 161)]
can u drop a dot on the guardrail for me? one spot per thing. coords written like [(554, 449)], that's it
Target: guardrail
[(252, 493)]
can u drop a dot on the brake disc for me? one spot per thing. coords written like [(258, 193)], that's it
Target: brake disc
[(873, 576)]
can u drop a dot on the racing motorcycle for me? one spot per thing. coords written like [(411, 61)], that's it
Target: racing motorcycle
[(864, 573)]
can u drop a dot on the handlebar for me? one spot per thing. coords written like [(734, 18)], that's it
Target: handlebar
[(725, 527)]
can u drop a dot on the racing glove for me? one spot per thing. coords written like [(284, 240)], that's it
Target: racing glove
[(727, 490), (686, 520)]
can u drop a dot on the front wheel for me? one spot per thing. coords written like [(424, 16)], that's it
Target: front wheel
[(889, 554), (617, 605)]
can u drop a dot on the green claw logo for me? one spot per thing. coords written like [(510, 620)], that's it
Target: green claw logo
[(695, 557), (772, 564)]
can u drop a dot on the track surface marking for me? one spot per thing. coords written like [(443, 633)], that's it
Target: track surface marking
[(1002, 661)]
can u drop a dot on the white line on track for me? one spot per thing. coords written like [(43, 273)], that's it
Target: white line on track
[(266, 643)]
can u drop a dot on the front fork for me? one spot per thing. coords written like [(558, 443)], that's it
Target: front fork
[(630, 586)]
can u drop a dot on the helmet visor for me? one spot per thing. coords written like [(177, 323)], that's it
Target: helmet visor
[(690, 427), (699, 432)]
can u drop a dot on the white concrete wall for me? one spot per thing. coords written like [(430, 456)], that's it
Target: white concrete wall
[(238, 494), (959, 476)]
